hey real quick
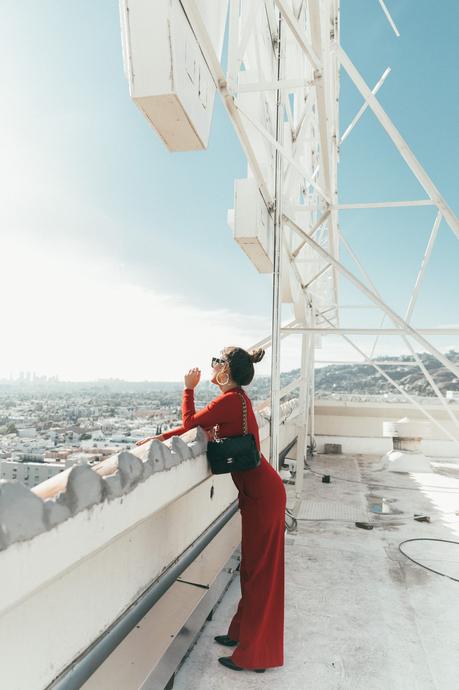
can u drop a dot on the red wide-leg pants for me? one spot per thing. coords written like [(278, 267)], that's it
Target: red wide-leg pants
[(258, 623)]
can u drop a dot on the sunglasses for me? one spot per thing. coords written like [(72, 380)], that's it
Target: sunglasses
[(217, 360)]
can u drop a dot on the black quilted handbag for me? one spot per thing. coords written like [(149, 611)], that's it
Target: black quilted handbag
[(234, 453)]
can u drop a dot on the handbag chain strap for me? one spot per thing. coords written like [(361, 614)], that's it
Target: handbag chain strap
[(244, 414), (244, 418)]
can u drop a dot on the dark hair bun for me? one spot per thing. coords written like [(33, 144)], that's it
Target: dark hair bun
[(241, 363), (257, 355)]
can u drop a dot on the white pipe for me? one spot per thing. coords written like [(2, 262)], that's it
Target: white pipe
[(277, 268)]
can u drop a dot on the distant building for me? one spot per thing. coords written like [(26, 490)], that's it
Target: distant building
[(31, 457), (61, 454), (27, 432), (452, 395), (80, 458), (29, 473), (33, 473)]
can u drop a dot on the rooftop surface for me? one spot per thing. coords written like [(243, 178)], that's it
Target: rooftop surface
[(359, 614)]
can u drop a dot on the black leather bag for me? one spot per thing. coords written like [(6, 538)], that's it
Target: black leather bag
[(234, 453)]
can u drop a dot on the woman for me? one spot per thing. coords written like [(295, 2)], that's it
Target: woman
[(257, 628)]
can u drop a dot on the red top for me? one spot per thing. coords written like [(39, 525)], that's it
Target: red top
[(225, 412), (261, 486)]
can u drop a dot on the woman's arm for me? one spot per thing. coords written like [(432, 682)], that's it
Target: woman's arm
[(177, 431), (214, 413)]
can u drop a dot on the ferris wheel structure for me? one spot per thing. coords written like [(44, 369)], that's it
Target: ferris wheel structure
[(276, 65)]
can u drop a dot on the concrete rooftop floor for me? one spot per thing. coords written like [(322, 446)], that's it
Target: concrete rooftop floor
[(359, 615)]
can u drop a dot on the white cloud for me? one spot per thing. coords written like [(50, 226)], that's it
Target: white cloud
[(63, 314)]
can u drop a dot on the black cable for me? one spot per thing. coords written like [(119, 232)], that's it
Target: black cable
[(442, 489), (437, 572), (311, 447), (289, 514), (406, 517), (325, 520)]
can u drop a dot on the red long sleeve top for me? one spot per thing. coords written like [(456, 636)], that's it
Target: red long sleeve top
[(224, 412), (260, 488)]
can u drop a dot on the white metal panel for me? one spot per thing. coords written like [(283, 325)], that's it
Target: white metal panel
[(253, 226), (168, 77)]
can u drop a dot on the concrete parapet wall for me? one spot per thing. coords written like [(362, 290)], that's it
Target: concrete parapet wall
[(358, 426), (345, 418)]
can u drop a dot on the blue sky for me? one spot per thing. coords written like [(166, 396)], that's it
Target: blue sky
[(118, 257)]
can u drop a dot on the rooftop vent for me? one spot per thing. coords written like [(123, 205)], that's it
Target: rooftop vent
[(406, 455)]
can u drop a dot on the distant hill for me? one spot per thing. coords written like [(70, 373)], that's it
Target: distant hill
[(351, 379), (364, 379)]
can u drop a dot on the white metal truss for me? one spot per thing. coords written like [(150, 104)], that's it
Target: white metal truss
[(281, 90)]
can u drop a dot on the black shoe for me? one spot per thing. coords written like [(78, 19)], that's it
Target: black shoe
[(225, 640), (227, 661)]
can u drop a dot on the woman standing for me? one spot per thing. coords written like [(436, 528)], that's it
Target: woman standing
[(257, 628)]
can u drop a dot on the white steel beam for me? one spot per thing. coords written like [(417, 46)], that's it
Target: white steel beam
[(358, 306), (325, 38), (376, 299), (406, 395), (311, 231), (248, 29), (408, 344), (381, 363), (202, 35), (304, 402), (386, 204), (389, 18), (297, 383), (277, 263), (281, 149), (423, 266), (298, 33), (265, 343), (283, 85), (360, 112), (272, 20), (401, 145), (372, 331), (317, 276), (233, 59)]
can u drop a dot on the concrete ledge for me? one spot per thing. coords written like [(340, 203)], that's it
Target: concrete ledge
[(55, 549), (25, 514)]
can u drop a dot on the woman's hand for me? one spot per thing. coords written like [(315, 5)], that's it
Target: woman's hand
[(150, 438), (192, 378)]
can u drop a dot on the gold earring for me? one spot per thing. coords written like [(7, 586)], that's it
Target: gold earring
[(219, 382)]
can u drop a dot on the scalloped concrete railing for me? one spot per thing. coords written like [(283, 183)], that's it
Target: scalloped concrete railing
[(25, 513), (78, 550)]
